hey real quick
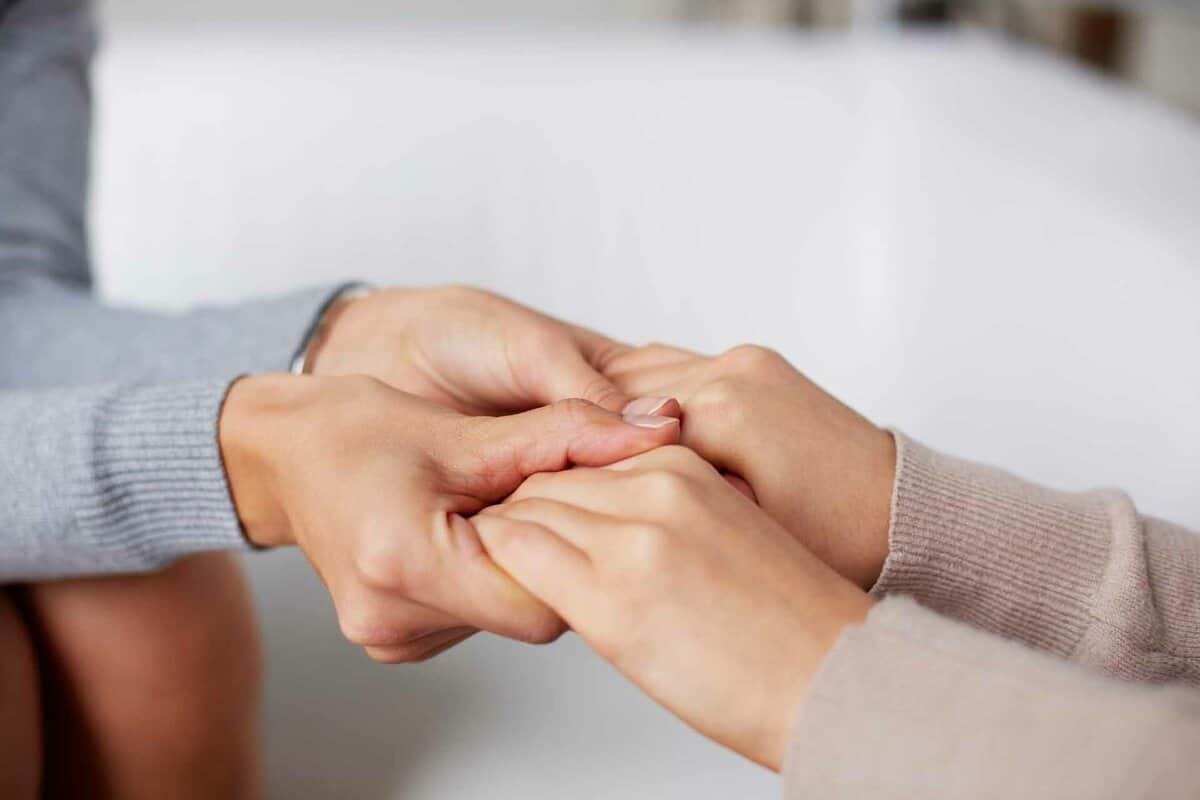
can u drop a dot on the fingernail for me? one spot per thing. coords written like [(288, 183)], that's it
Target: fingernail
[(646, 406), (649, 420)]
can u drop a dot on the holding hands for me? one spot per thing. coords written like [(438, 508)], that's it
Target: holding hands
[(684, 585), (389, 467), (371, 463), (818, 467), (373, 485)]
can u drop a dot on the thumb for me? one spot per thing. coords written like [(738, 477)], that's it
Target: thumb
[(504, 451)]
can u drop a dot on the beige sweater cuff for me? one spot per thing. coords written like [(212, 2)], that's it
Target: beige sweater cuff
[(982, 546), (912, 705)]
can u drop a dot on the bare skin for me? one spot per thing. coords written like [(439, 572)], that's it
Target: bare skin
[(21, 707), (684, 585), (375, 485), (152, 683), (818, 467)]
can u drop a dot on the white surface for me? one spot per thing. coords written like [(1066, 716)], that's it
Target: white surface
[(991, 250)]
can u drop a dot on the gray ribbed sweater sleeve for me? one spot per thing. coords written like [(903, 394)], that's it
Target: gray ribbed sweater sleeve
[(52, 331), (108, 417), (111, 479)]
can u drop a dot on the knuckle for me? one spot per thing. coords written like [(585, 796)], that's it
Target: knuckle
[(361, 624), (542, 628), (666, 488), (607, 352), (530, 489), (602, 392), (750, 359), (381, 562), (575, 410), (365, 622), (683, 462)]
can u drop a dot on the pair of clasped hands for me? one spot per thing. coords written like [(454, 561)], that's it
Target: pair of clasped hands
[(706, 524)]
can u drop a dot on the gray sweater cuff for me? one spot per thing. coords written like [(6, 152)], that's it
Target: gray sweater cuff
[(150, 485), (982, 546)]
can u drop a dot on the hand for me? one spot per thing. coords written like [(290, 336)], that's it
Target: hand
[(372, 484), (819, 468), (467, 349), (684, 585)]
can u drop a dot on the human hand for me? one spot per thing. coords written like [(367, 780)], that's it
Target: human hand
[(373, 485), (684, 585), (465, 348), (815, 465)]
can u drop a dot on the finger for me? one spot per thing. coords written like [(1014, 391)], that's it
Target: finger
[(549, 566), (652, 407), (597, 349), (651, 356), (739, 483), (715, 434), (500, 452), (421, 649), (584, 528), (572, 376), (674, 380), (597, 490), (370, 618), (469, 585), (682, 460)]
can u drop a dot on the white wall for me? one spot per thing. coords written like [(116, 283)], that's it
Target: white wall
[(568, 11)]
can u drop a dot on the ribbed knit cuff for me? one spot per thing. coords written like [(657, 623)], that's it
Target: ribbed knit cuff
[(982, 546), (151, 486)]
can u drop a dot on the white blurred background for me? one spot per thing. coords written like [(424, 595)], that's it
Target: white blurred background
[(982, 233)]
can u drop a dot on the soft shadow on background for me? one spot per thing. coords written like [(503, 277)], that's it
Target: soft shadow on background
[(985, 242)]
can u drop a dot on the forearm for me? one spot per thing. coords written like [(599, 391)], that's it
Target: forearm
[(114, 478), (1080, 575), (911, 704)]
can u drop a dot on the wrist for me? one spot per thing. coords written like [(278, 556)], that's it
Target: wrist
[(327, 318), (877, 504), (843, 607), (249, 436)]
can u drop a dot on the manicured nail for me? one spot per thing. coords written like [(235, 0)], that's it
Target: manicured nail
[(649, 420), (648, 406)]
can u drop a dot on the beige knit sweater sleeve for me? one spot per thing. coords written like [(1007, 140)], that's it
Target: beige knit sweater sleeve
[(1080, 575), (913, 704)]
